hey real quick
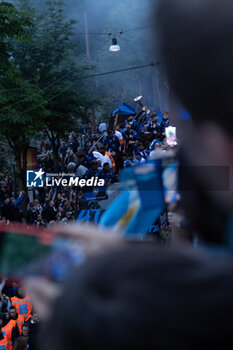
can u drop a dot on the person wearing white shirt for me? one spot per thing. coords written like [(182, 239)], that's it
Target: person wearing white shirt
[(120, 137), (102, 157)]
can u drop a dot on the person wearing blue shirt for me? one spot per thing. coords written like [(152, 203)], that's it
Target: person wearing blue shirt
[(129, 120), (138, 158), (132, 122), (19, 200), (161, 126), (135, 126), (132, 138), (62, 149), (94, 171), (143, 151), (165, 121), (154, 142), (90, 158), (152, 124), (124, 130), (138, 147), (108, 174), (112, 142)]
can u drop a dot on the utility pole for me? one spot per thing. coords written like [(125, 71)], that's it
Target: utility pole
[(92, 111), (86, 30), (86, 35)]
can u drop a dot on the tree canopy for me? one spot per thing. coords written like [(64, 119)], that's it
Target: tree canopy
[(41, 80)]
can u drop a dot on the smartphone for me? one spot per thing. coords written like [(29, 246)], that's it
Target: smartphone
[(30, 251), (170, 133)]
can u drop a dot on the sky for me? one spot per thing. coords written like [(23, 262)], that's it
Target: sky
[(138, 47)]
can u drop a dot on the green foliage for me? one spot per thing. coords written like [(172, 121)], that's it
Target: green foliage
[(14, 26), (6, 158), (13, 23), (40, 82), (48, 61)]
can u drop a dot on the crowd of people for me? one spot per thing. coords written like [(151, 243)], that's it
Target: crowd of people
[(20, 325), (133, 294), (85, 155)]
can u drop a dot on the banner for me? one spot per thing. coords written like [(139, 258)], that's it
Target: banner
[(89, 216)]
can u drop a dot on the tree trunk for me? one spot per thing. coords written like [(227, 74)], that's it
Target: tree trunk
[(55, 141), (24, 168), (20, 150), (20, 171), (55, 156), (93, 121)]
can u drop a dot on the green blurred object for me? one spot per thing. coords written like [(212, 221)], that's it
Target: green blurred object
[(18, 250)]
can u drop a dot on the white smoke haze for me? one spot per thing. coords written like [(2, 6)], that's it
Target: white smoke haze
[(137, 43), (138, 47)]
